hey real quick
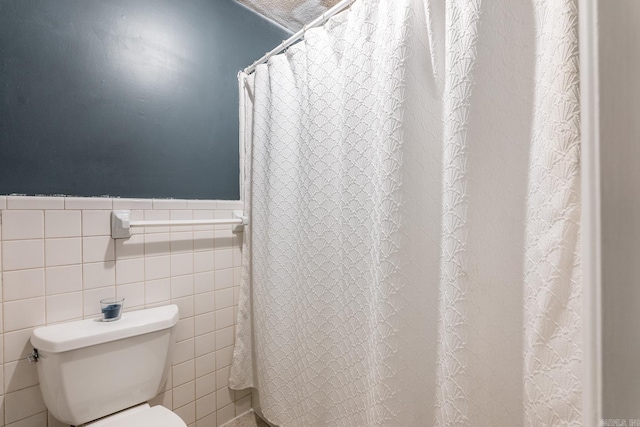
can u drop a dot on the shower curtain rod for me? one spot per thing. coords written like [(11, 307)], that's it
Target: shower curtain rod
[(300, 34)]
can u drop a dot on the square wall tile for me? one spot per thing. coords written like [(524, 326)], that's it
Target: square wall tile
[(98, 248), (132, 247), (64, 307), (22, 284), (223, 357), (157, 215), (185, 306), (98, 274), (203, 241), (184, 394), (224, 299), (63, 279), (181, 242), (205, 406), (157, 267), (223, 258), (224, 397), (182, 286), (18, 375), (129, 271), (156, 244), (203, 214), (204, 303), (183, 351), (205, 343), (133, 294), (224, 278), (183, 373), (181, 264), (63, 251), (19, 225), (203, 261), (204, 323), (24, 403), (205, 365), (22, 254), (96, 223), (17, 345), (223, 239), (226, 414), (222, 377), (24, 313), (37, 420), (186, 412), (224, 318), (205, 384), (208, 421), (177, 215), (184, 329), (224, 338), (203, 282), (61, 223), (157, 291)]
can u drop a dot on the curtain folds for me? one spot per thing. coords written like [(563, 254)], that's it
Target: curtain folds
[(411, 174)]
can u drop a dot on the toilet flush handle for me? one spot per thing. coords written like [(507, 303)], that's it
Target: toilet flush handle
[(33, 356)]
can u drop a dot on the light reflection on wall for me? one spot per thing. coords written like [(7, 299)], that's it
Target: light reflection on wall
[(148, 52)]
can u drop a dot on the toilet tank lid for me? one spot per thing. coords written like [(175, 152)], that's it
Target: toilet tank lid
[(84, 333)]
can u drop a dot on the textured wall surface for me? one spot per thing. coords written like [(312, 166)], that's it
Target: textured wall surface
[(126, 98), (58, 260), (291, 14)]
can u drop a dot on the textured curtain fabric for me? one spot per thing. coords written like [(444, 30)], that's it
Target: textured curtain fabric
[(412, 178)]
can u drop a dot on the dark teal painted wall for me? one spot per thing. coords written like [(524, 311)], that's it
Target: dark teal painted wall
[(131, 98)]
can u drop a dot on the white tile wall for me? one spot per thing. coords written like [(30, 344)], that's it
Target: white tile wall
[(57, 260)]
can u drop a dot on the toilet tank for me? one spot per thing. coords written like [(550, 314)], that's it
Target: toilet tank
[(88, 369)]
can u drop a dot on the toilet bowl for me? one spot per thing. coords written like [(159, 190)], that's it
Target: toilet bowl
[(102, 374)]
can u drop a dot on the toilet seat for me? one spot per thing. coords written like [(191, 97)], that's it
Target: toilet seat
[(141, 416)]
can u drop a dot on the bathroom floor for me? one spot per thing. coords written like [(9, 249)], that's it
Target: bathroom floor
[(249, 419)]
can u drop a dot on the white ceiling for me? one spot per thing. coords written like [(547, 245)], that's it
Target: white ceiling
[(291, 14)]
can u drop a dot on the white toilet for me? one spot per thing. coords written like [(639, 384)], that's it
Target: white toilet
[(103, 373)]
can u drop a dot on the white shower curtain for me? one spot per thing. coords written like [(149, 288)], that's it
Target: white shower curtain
[(413, 255)]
